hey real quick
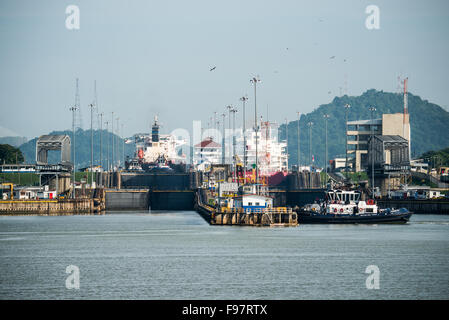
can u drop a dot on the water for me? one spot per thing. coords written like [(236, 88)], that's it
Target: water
[(177, 255)]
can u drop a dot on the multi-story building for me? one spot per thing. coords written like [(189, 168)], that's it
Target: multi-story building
[(206, 152), (359, 133)]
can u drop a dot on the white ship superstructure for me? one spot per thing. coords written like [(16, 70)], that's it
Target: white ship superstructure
[(272, 154), (151, 148)]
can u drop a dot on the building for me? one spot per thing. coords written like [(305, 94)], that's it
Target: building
[(389, 155), (359, 133), (206, 153)]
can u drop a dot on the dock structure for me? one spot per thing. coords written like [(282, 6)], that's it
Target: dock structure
[(261, 217), (81, 206)]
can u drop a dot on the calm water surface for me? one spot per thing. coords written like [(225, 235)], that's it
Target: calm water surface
[(177, 255)]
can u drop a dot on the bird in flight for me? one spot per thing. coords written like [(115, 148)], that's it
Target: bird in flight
[(332, 57), (212, 69)]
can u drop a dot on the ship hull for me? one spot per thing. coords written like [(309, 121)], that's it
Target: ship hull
[(400, 216)]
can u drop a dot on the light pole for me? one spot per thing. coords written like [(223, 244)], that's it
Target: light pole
[(229, 111), (326, 117), (299, 148), (101, 140), (310, 124), (286, 139), (123, 146), (234, 111), (107, 144), (113, 139), (372, 109), (347, 106), (244, 99), (254, 81), (73, 109), (116, 147), (92, 106), (223, 140)]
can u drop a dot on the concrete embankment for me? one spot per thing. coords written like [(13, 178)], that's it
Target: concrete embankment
[(50, 207), (437, 206)]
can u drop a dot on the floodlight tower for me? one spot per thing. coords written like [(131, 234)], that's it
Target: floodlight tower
[(254, 81), (73, 109), (244, 99)]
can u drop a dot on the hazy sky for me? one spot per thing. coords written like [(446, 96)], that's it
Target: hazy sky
[(153, 57)]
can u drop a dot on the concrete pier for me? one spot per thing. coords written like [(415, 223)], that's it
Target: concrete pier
[(51, 207)]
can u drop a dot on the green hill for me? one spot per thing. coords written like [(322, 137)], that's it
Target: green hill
[(429, 124), (82, 148)]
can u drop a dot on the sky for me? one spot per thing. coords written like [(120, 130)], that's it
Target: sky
[(154, 58)]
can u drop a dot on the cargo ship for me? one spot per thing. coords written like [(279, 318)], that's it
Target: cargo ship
[(345, 207), (157, 152)]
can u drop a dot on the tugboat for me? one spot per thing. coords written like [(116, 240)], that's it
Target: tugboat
[(344, 207)]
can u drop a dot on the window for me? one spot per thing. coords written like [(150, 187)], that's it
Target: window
[(257, 203), (250, 203)]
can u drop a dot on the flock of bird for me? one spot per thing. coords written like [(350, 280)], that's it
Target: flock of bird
[(276, 71)]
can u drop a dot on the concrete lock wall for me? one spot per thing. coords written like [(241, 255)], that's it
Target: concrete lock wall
[(127, 200), (156, 181), (175, 200)]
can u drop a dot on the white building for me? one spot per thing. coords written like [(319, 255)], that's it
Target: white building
[(206, 152), (250, 202)]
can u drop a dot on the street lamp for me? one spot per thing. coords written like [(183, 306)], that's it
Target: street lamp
[(92, 106), (73, 109), (326, 117), (234, 111), (310, 124), (299, 153), (372, 109), (286, 139), (113, 140), (223, 140), (117, 148), (107, 144), (244, 99), (229, 110), (123, 146), (101, 138), (254, 81), (347, 106)]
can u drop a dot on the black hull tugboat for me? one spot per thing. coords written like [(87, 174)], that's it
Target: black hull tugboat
[(344, 207)]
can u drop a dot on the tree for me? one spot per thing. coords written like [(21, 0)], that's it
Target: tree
[(10, 154)]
